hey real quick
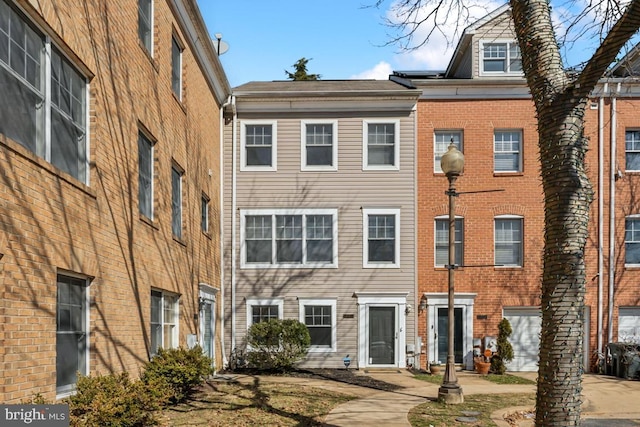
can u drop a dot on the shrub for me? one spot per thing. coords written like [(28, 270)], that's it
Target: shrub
[(504, 351), (277, 344), (180, 369), (112, 401)]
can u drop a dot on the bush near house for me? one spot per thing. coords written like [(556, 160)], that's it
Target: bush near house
[(117, 400), (504, 352), (180, 369), (277, 344), (113, 400)]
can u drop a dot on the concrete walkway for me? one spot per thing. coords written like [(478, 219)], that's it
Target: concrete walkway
[(606, 399)]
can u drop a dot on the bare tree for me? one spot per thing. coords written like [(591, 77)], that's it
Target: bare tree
[(560, 98)]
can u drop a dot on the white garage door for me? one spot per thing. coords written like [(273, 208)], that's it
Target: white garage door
[(629, 324), (525, 339)]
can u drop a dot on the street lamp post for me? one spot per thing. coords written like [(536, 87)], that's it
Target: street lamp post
[(452, 163)]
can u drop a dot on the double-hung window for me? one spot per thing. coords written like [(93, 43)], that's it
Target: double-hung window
[(441, 141), (632, 240), (259, 146), (381, 243), (145, 176), (442, 241), (319, 145), (43, 106), (632, 150), (176, 68), (289, 238), (145, 24), (319, 315), (500, 57), (508, 241), (164, 321), (381, 144), (263, 310), (176, 201), (72, 332), (507, 151)]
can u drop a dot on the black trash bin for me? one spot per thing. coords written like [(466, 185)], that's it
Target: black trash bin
[(625, 360)]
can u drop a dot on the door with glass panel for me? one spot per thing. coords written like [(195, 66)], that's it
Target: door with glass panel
[(382, 335), (442, 339)]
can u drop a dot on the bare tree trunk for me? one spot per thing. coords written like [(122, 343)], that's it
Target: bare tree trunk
[(568, 195), (560, 105)]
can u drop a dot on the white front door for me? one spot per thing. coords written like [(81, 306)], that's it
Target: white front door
[(438, 328), (207, 335), (381, 329)]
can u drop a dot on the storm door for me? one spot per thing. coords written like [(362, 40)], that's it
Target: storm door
[(382, 335)]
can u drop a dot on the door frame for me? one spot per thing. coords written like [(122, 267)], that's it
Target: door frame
[(397, 300), (207, 294), (464, 301)]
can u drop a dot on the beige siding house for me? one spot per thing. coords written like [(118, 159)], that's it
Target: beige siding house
[(319, 216)]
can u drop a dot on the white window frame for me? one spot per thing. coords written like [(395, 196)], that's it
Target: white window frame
[(179, 214), (332, 302), (44, 139), (633, 152), (254, 301), (149, 48), (164, 322), (274, 145), (437, 154), (365, 144), (151, 142), (274, 213), (366, 212), (519, 152), (176, 63), (69, 389), (507, 59), (334, 145), (509, 217), (445, 218), (636, 219)]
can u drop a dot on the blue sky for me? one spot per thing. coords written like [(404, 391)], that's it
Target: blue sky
[(343, 38)]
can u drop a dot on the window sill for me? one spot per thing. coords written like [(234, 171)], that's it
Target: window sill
[(149, 56), (286, 266), (207, 234), (507, 174), (151, 223), (179, 240), (32, 157)]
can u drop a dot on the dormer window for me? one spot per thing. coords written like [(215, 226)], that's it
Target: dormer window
[(500, 57)]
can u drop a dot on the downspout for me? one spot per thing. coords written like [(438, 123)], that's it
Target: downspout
[(612, 210), (221, 225), (234, 154), (600, 213)]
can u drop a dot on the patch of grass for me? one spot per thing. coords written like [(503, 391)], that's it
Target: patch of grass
[(442, 415), (235, 404), (507, 379)]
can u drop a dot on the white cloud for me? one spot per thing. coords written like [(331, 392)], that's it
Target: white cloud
[(380, 71), (443, 31)]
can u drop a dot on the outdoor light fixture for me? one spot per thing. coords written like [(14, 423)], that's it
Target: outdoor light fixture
[(452, 163)]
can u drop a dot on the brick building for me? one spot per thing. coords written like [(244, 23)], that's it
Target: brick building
[(482, 104), (110, 126)]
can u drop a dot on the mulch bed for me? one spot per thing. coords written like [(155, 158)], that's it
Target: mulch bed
[(347, 376)]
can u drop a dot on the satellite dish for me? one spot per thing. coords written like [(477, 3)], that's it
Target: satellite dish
[(220, 46)]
